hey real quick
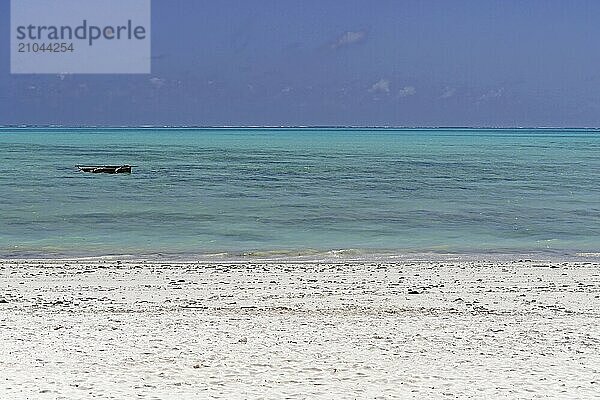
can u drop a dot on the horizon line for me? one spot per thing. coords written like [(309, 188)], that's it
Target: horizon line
[(144, 126)]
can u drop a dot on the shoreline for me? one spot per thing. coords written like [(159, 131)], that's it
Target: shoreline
[(422, 329), (328, 256)]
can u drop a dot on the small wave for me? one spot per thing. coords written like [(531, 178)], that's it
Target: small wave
[(588, 254)]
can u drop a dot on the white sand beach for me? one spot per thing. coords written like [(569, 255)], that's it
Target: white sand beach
[(424, 330)]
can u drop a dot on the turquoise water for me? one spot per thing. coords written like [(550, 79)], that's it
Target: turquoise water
[(199, 191)]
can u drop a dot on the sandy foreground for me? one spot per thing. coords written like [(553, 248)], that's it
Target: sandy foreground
[(425, 330)]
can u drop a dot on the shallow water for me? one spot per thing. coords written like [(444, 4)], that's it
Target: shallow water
[(299, 191)]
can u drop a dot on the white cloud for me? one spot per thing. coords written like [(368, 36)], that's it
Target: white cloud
[(407, 91), (157, 82), (492, 94), (348, 38), (448, 92), (381, 86)]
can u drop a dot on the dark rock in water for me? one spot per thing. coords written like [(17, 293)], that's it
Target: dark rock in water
[(3, 301), (414, 292)]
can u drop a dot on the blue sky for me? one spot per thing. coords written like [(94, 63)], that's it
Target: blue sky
[(283, 62)]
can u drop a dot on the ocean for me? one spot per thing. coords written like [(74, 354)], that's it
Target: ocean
[(292, 192)]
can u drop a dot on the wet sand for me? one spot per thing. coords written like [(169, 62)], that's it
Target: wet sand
[(425, 330)]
